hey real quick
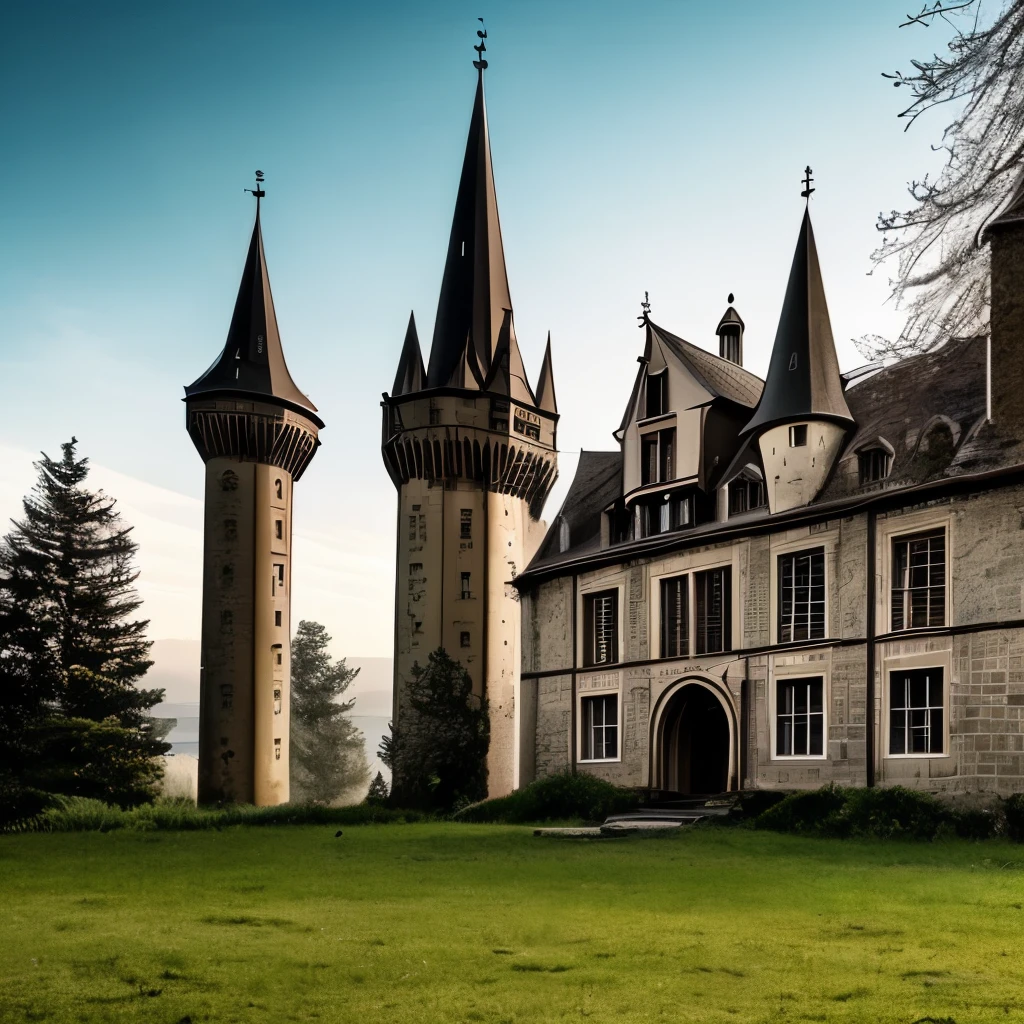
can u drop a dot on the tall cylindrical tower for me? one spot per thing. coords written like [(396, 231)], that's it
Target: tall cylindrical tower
[(257, 434)]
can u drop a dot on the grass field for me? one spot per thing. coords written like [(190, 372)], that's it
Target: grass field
[(441, 922)]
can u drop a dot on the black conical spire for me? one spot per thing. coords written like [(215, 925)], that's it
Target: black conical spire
[(474, 289), (252, 362), (410, 376), (546, 382), (803, 377)]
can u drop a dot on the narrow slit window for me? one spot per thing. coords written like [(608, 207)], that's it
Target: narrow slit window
[(675, 617), (466, 590), (713, 610), (601, 628)]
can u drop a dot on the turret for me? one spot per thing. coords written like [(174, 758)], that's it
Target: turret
[(730, 334), (471, 450), (802, 417), (256, 432)]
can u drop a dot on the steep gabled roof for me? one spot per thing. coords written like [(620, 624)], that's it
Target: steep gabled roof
[(252, 362), (410, 376), (803, 377), (721, 378)]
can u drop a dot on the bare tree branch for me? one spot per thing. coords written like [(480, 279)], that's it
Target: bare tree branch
[(941, 265)]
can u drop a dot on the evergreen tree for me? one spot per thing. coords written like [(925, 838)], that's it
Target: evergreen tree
[(327, 751), (70, 650), (438, 752), (378, 790)]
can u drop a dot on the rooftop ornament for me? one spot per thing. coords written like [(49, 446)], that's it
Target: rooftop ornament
[(807, 187), (257, 191), (646, 307), (480, 64)]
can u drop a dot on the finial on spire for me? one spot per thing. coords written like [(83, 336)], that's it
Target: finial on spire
[(646, 307), (258, 190), (731, 299), (480, 47), (807, 185)]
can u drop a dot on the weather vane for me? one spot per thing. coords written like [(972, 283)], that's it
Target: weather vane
[(646, 307), (481, 46), (807, 184), (258, 190)]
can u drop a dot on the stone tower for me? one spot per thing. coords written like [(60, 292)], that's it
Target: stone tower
[(257, 434), (471, 448), (802, 418)]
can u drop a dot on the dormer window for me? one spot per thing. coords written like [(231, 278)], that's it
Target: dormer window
[(798, 436), (657, 457), (657, 394), (745, 494), (873, 464)]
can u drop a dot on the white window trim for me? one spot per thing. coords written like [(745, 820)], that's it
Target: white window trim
[(599, 586), (807, 542), (690, 566), (599, 692), (801, 670), (890, 530), (902, 663)]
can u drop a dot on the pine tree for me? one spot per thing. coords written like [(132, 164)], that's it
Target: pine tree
[(69, 647), (327, 752), (378, 793), (438, 752)]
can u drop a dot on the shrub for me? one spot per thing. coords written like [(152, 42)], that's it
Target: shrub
[(555, 798), (753, 803), (890, 812), (80, 814), (1013, 809), (804, 812)]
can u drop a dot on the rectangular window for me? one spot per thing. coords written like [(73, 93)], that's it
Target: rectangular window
[(601, 628), (279, 529), (657, 394), (667, 442), (466, 524), (919, 580), (277, 750), (873, 465), (649, 459), (682, 511), (800, 717), (802, 596), (745, 495), (464, 639), (415, 569), (277, 618), (915, 711), (713, 610), (412, 527), (675, 617), (466, 593), (277, 701), (277, 580), (798, 436), (600, 720)]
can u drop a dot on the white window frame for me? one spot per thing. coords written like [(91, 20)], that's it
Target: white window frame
[(689, 564), (806, 541), (614, 692), (891, 529), (799, 670), (903, 663), (592, 587)]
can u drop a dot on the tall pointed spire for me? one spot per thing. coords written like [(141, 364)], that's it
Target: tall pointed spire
[(803, 377), (474, 289), (546, 383), (252, 362), (410, 376)]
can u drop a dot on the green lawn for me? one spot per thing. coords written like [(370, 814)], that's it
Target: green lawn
[(411, 923)]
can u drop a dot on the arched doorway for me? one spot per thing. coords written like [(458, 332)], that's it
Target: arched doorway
[(695, 742)]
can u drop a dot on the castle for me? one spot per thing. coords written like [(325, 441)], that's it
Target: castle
[(766, 584)]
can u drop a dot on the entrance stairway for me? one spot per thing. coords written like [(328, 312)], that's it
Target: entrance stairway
[(663, 811)]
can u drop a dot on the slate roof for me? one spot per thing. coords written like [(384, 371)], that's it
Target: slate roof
[(722, 378), (252, 362), (597, 483), (929, 408)]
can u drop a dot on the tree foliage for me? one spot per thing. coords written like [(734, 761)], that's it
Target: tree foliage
[(437, 751), (327, 751), (71, 651), (941, 261)]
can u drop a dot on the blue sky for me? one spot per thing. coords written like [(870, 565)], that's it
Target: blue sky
[(652, 146)]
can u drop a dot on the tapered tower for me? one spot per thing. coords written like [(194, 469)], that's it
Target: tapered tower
[(802, 418), (257, 434), (471, 449)]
